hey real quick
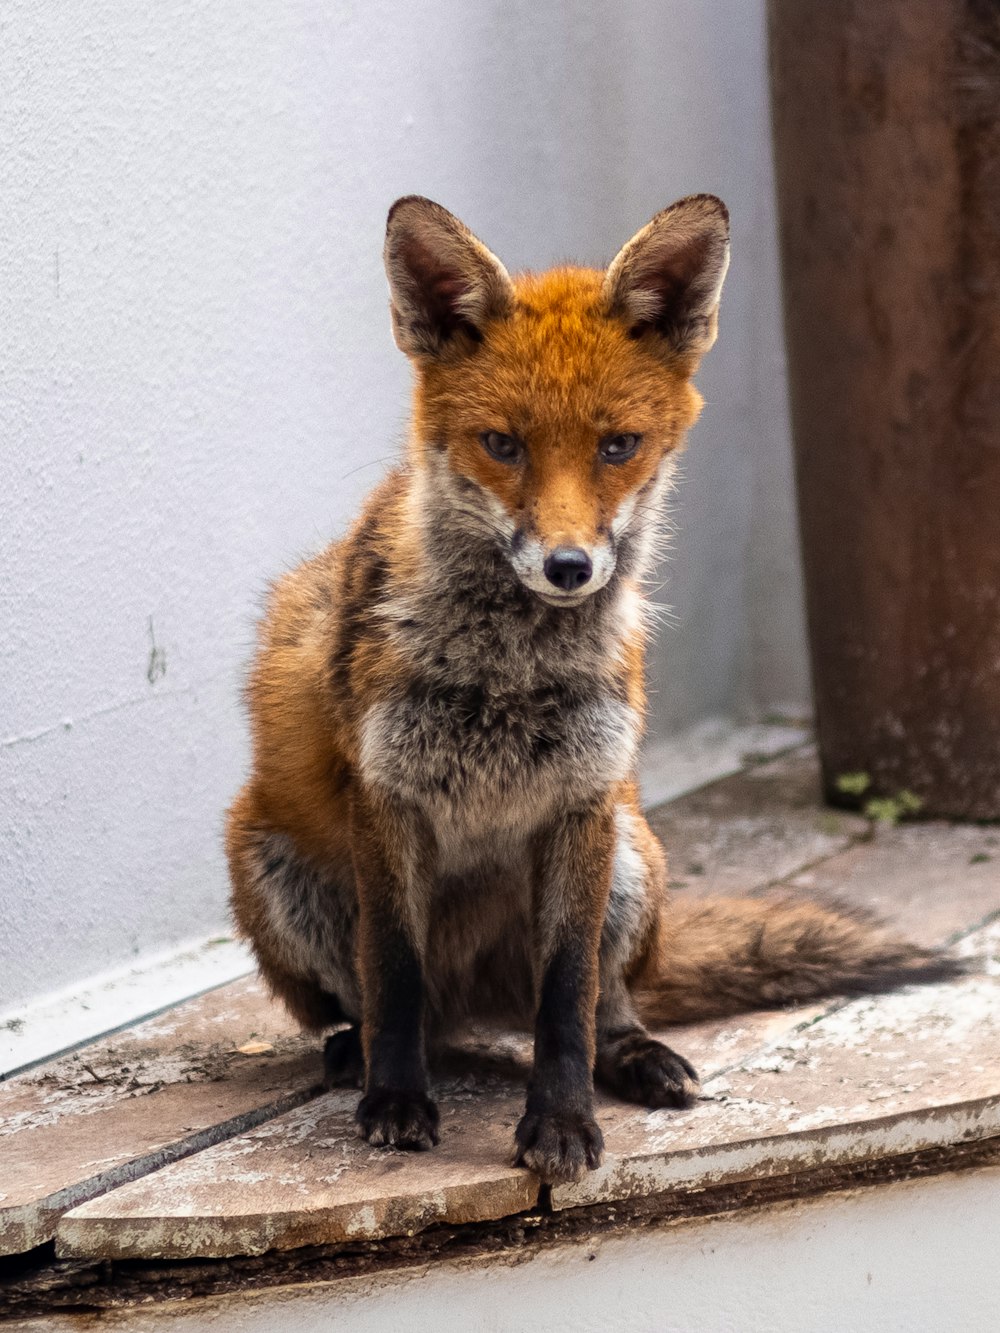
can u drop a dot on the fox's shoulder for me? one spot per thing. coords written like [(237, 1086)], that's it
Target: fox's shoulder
[(321, 652), (312, 594), (321, 638)]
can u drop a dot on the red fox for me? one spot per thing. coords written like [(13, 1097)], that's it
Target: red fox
[(442, 822)]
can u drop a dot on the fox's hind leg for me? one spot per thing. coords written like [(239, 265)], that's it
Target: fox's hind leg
[(344, 1059), (300, 917), (629, 1062)]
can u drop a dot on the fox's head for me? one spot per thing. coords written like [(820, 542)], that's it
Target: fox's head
[(549, 406)]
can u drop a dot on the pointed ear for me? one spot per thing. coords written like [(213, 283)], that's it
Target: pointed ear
[(667, 280), (444, 285)]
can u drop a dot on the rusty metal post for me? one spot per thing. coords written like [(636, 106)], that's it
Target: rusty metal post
[(887, 140)]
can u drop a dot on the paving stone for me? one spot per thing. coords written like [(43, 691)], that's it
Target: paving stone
[(119, 1108), (723, 1042), (767, 825), (875, 1077), (306, 1178), (711, 749), (747, 831), (797, 1089), (931, 880)]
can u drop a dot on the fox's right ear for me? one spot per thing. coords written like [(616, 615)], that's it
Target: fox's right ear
[(444, 284)]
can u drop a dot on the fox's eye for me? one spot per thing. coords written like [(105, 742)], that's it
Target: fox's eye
[(504, 448), (618, 448)]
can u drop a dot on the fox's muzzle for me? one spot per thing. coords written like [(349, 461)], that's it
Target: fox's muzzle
[(563, 574)]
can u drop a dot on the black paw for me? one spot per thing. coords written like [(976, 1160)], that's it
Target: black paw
[(558, 1146), (389, 1119), (344, 1060), (638, 1068)]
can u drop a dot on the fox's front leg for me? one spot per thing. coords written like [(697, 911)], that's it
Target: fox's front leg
[(558, 1136), (390, 855)]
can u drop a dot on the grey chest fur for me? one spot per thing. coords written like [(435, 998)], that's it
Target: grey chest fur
[(465, 751), (513, 710)]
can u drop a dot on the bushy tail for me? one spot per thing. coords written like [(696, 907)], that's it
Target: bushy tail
[(728, 955)]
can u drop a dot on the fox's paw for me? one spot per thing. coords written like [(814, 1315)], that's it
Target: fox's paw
[(390, 1119), (640, 1069), (344, 1060), (559, 1147)]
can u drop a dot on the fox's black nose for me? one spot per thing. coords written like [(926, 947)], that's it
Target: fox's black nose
[(568, 568)]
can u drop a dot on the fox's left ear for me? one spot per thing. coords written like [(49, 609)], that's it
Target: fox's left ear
[(667, 280), (444, 284)]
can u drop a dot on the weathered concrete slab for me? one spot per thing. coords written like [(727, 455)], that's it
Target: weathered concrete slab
[(752, 829), (876, 1077), (141, 1098), (930, 880), (767, 826), (305, 1178)]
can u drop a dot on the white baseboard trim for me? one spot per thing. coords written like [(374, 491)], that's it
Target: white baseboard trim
[(65, 1019)]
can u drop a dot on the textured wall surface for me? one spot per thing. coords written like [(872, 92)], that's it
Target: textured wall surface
[(197, 381)]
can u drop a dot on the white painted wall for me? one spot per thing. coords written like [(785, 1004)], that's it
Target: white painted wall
[(197, 382)]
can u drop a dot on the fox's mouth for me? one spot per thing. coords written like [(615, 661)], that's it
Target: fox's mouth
[(564, 599)]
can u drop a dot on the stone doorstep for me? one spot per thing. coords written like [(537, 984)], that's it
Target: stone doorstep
[(195, 1087), (306, 1178), (718, 1161), (872, 1078)]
